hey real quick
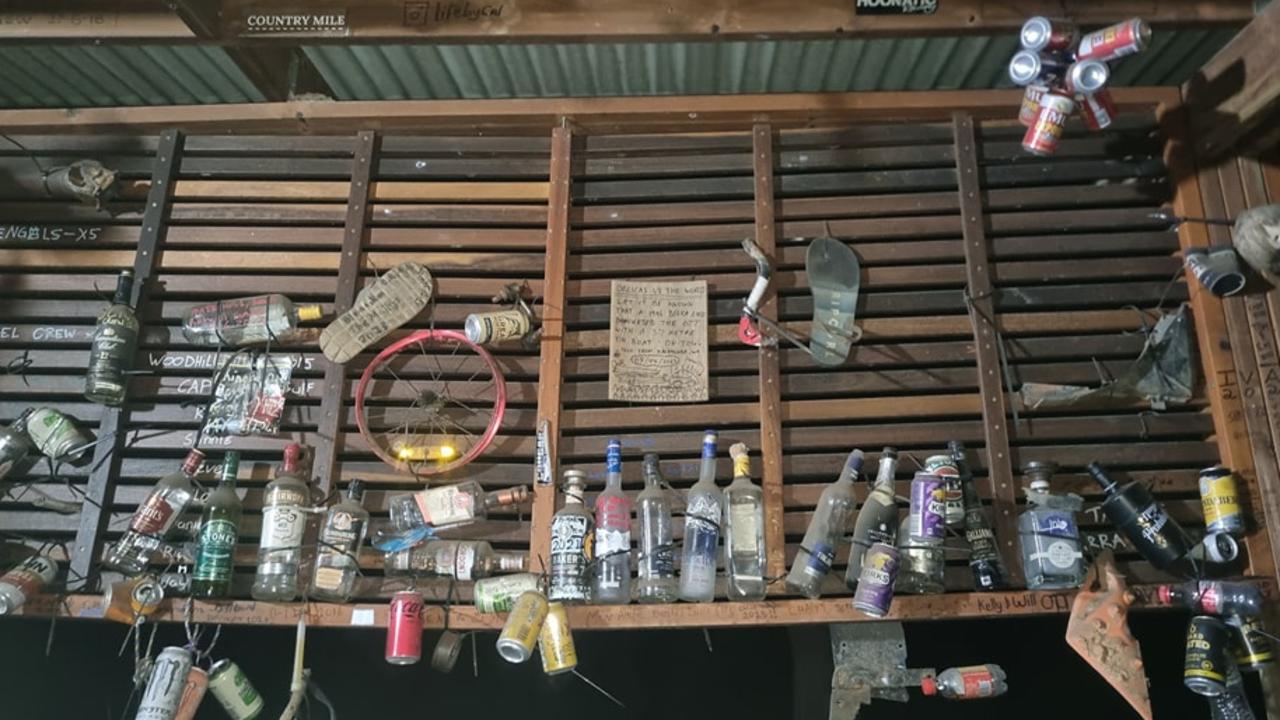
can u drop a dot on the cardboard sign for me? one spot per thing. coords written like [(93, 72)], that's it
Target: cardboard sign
[(658, 342)]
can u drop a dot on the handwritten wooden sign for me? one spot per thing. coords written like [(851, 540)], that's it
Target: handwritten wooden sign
[(658, 342)]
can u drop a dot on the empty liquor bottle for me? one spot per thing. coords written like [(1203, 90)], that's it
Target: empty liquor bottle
[(15, 444), (1048, 534), (1213, 597), (984, 553), (612, 578), (219, 530), (744, 556), (656, 566), (337, 557), (154, 517), (703, 510), (115, 341), (877, 520), (451, 505), (247, 321), (1143, 520), (827, 527), (458, 559), (571, 531), (284, 521)]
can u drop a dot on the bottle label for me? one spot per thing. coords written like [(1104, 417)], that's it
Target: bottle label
[(338, 539), (158, 512), (744, 528), (1055, 524), (976, 682), (821, 555), (34, 573), (613, 525), (1211, 597), (329, 578), (498, 594), (982, 544), (282, 527), (709, 446), (570, 552), (217, 542), (446, 505), (112, 349), (1152, 522), (1060, 554)]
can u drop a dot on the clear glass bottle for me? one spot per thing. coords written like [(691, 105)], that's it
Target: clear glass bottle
[(921, 567), (744, 557), (219, 531), (337, 558), (827, 527), (611, 584), (114, 344), (451, 505), (247, 321), (984, 553), (656, 567), (571, 531), (459, 559), (703, 510), (1048, 535), (15, 444), (284, 521), (154, 517), (877, 520)]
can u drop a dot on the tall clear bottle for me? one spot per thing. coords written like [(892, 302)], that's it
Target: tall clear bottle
[(337, 558), (702, 514), (744, 557), (219, 531), (656, 567), (1048, 534), (612, 581), (247, 321), (877, 520), (15, 444), (115, 341), (828, 525), (153, 518), (571, 531), (284, 521)]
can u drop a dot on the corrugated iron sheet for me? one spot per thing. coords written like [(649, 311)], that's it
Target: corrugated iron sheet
[(105, 75), (387, 72)]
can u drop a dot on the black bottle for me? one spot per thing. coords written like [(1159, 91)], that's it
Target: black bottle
[(1159, 538), (984, 555)]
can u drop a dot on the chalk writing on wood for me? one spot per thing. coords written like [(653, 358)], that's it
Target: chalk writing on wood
[(658, 342)]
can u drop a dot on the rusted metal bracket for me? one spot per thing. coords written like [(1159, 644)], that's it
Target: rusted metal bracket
[(1099, 631), (870, 664)]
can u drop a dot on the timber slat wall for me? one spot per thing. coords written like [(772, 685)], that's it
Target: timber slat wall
[(1077, 264)]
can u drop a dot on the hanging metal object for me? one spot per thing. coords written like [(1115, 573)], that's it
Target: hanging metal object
[(870, 664), (88, 181), (1098, 630)]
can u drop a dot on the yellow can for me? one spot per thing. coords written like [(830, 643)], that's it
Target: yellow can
[(1220, 500), (555, 644), (524, 622)]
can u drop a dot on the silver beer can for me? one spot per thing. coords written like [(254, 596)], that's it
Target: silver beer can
[(496, 327)]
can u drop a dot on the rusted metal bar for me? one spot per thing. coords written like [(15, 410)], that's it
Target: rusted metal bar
[(112, 434)]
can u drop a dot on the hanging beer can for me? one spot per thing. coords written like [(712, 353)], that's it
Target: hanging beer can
[(1027, 66), (495, 327), (1087, 76), (875, 584), (1253, 647), (1220, 500), (555, 642), (1115, 41), (1031, 103), (524, 623), (1044, 35), (404, 628), (25, 580), (1097, 109), (192, 693), (129, 600), (56, 435), (232, 689), (166, 684), (497, 594), (1206, 668), (1043, 135)]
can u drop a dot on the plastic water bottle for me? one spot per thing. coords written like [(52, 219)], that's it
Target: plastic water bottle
[(702, 529), (967, 683)]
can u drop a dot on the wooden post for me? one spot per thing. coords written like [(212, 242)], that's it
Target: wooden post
[(550, 374), (977, 253), (333, 404), (770, 392), (113, 429)]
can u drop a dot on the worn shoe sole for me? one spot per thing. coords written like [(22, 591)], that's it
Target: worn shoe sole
[(834, 278), (389, 302)]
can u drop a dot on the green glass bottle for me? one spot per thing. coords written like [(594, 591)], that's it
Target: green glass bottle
[(115, 340), (219, 529)]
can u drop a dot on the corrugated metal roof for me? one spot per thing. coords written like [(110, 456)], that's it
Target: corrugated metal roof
[(105, 75), (394, 72)]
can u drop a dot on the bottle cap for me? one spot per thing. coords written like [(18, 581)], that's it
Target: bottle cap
[(575, 485), (292, 454), (928, 686), (191, 465), (1164, 594), (855, 460), (310, 312), (355, 489)]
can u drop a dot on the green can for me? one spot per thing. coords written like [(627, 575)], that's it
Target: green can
[(233, 690), (498, 594)]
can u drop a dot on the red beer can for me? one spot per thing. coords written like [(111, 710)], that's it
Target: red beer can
[(1031, 103), (1115, 41), (1045, 35), (1043, 135), (1097, 109), (404, 628)]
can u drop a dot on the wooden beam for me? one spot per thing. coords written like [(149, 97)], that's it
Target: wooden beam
[(605, 115), (1238, 90), (550, 375), (135, 20)]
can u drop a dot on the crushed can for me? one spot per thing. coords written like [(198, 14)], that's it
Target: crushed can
[(497, 594), (129, 600), (56, 435), (1097, 109), (444, 657)]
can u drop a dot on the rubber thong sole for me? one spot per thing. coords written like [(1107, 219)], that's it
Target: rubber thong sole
[(389, 302), (834, 276)]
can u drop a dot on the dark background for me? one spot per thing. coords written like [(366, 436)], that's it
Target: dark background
[(774, 673)]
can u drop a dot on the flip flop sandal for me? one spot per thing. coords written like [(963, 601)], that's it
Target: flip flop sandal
[(382, 306), (834, 278)]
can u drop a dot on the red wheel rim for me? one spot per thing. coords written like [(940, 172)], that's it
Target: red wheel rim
[(481, 444)]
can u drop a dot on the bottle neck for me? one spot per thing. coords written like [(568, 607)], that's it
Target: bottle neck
[(505, 497), (230, 468), (355, 492), (510, 561), (1100, 476), (852, 468), (885, 473), (124, 289), (573, 495)]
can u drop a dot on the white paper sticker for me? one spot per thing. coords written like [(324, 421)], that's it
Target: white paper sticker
[(362, 616)]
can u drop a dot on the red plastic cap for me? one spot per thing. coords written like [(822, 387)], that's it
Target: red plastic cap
[(1164, 594), (191, 465), (292, 455), (929, 686)]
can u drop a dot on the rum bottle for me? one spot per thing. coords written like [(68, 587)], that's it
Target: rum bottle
[(571, 531), (111, 352), (154, 517), (877, 521), (219, 530), (337, 558), (612, 581), (744, 531), (247, 321), (828, 525), (656, 566), (702, 514), (284, 520)]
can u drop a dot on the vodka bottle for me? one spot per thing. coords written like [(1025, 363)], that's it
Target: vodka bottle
[(612, 582), (829, 523), (451, 505), (571, 530), (984, 554), (877, 520), (1214, 597), (219, 530), (24, 580), (154, 517), (703, 510), (247, 321), (337, 558), (1048, 534), (744, 531), (458, 559), (15, 444), (115, 341), (284, 520), (656, 574)]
